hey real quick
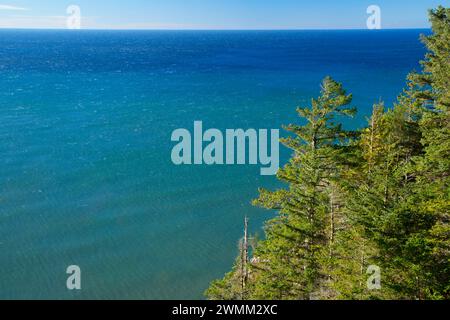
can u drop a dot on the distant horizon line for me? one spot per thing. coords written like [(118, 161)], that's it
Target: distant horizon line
[(162, 29)]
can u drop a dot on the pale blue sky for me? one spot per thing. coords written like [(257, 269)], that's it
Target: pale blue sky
[(216, 14)]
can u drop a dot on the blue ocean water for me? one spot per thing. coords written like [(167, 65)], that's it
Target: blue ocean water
[(86, 118)]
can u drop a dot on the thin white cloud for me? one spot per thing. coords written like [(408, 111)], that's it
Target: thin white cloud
[(12, 8)]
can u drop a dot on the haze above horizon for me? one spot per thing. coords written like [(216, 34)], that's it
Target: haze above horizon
[(216, 15)]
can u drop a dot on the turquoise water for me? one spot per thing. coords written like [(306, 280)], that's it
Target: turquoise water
[(86, 176)]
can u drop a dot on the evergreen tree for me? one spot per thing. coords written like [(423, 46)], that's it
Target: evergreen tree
[(404, 205), (298, 240), (353, 252), (431, 198), (382, 199)]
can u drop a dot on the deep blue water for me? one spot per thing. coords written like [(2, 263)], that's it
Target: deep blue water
[(86, 176)]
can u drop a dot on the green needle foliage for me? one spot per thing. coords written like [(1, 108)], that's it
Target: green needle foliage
[(377, 197), (298, 239)]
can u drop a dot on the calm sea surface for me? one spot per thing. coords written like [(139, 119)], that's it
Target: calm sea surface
[(86, 176)]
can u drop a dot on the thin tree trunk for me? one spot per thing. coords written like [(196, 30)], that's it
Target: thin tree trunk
[(244, 259)]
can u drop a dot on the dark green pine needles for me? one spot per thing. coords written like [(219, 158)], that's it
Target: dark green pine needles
[(358, 203)]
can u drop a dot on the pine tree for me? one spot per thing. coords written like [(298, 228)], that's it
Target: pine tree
[(404, 206), (382, 199), (353, 252), (378, 191), (432, 170), (298, 240), (423, 249)]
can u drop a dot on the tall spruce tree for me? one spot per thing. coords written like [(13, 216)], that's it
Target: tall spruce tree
[(403, 206), (291, 259), (378, 190), (431, 189), (353, 251)]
